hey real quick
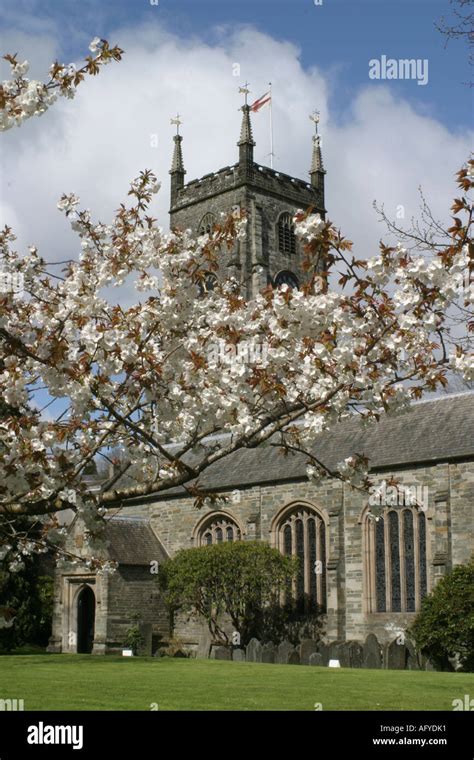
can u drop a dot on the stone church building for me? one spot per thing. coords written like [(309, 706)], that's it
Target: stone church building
[(367, 561)]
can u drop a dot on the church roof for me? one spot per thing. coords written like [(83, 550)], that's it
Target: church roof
[(431, 431), (131, 541)]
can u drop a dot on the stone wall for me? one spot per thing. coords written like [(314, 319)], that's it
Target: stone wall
[(449, 529), (255, 509), (134, 590), (264, 199)]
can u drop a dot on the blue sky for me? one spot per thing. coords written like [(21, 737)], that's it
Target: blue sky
[(339, 36)]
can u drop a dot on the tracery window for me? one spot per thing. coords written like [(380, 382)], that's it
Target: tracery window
[(285, 277), (206, 225), (397, 572), (286, 234), (207, 284), (217, 529), (302, 533)]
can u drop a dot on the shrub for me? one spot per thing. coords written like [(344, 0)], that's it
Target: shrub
[(240, 579), (444, 627)]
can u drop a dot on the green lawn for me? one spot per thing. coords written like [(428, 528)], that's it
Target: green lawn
[(83, 682)]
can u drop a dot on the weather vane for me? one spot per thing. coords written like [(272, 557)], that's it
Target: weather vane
[(177, 121), (315, 119), (245, 91)]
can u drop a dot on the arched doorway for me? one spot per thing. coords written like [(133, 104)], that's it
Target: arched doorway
[(85, 620)]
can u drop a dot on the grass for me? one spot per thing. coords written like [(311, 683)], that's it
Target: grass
[(84, 682)]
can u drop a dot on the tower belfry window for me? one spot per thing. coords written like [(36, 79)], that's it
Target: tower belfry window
[(206, 225), (286, 277), (286, 234)]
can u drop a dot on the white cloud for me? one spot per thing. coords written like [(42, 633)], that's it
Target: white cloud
[(95, 144)]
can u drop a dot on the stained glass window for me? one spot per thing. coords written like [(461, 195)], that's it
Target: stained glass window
[(216, 529), (380, 591), (287, 540), (313, 556), (409, 560), (322, 572), (397, 555), (300, 585), (395, 562), (422, 553), (302, 534)]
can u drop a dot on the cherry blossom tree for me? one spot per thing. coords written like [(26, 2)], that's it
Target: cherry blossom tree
[(189, 374), (22, 98), (459, 25)]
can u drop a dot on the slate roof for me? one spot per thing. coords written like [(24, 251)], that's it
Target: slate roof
[(131, 541), (440, 429)]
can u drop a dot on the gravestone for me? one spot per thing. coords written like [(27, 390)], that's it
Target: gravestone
[(145, 647), (343, 654), (283, 652), (238, 655), (294, 657), (323, 650), (222, 653), (268, 652), (372, 655), (396, 655), (204, 645), (306, 649), (254, 651), (356, 654), (334, 650), (315, 659), (413, 661)]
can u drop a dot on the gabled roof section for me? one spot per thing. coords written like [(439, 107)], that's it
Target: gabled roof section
[(131, 541), (438, 430)]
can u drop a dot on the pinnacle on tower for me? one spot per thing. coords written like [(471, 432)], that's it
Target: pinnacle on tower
[(246, 136), (246, 143), (177, 164), (177, 170), (317, 170), (317, 159)]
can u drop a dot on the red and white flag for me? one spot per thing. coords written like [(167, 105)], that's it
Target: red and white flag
[(258, 104)]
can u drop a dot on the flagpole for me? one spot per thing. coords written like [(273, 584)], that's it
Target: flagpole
[(271, 126)]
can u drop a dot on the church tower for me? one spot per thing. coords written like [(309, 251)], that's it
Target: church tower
[(270, 254)]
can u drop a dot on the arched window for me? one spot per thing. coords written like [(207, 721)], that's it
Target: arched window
[(286, 234), (397, 575), (208, 284), (302, 533), (206, 225), (285, 277), (216, 529)]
